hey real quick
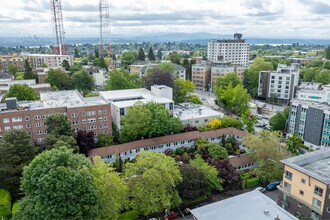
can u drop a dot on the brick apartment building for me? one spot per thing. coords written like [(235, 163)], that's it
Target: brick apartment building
[(89, 114), (201, 76)]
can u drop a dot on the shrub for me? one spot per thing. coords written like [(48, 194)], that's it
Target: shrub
[(5, 203), (252, 182), (246, 176), (14, 208)]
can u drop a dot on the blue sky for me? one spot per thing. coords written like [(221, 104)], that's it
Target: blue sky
[(258, 18)]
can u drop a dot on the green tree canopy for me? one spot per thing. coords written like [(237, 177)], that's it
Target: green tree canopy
[(66, 65), (224, 82), (316, 63), (267, 150), (28, 71), (5, 204), (58, 124), (323, 77), (211, 173), (122, 79), (58, 185), (104, 140), (217, 151), (151, 54), (141, 55), (83, 81), (22, 93), (295, 143), (309, 74), (326, 65), (152, 180), (13, 69), (227, 122), (128, 58), (278, 121), (112, 189), (167, 67), (16, 151), (327, 53), (158, 77), (182, 90), (60, 79)]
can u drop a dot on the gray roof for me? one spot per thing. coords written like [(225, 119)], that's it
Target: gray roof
[(252, 205), (5, 76), (179, 67), (315, 164)]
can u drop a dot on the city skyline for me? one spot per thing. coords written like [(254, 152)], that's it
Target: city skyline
[(258, 18)]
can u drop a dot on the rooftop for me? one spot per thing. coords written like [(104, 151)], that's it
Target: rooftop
[(316, 105), (187, 111), (315, 164), (44, 55), (249, 206)]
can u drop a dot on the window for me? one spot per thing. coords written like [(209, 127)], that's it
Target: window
[(287, 186), (91, 113), (303, 181), (84, 121), (171, 106), (73, 115), (316, 203), (40, 140), (105, 119), (75, 122), (122, 111), (6, 120), (99, 112), (37, 117), (104, 112), (18, 127), (301, 192), (7, 128), (28, 126), (83, 114), (318, 191), (38, 124), (100, 119), (91, 120), (288, 175), (39, 132), (27, 118), (16, 119)]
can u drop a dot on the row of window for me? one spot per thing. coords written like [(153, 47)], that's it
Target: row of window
[(89, 113)]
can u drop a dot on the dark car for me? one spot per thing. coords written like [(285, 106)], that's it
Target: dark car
[(272, 185)]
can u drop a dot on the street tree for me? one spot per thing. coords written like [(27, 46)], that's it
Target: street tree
[(224, 82), (182, 90), (279, 120), (141, 55), (83, 81), (112, 190), (151, 54), (295, 144), (58, 185), (22, 93), (152, 182), (121, 79), (267, 150), (16, 151), (60, 79)]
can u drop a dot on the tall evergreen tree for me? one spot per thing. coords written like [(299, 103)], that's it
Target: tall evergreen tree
[(151, 54), (327, 53), (141, 55), (28, 72), (159, 54)]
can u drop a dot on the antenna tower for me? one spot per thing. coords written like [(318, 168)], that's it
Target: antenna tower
[(57, 22), (105, 44)]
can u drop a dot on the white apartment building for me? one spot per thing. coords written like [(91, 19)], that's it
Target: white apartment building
[(234, 50), (280, 84), (121, 100), (314, 92), (51, 60), (99, 74)]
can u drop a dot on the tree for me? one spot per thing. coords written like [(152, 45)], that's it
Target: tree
[(267, 150), (75, 67), (128, 58), (194, 99), (85, 141), (151, 54), (224, 82), (182, 89), (309, 74), (83, 81), (235, 99), (193, 182), (217, 151), (112, 189), (13, 69), (251, 75), (316, 63), (66, 65), (323, 77), (167, 67), (58, 125), (141, 55), (60, 79), (22, 93), (159, 54), (294, 144), (226, 172), (211, 174), (28, 72), (214, 123), (121, 79), (327, 53), (227, 122), (16, 151), (160, 120), (175, 58), (158, 77), (104, 140), (152, 180), (279, 120), (5, 204), (326, 65), (58, 185)]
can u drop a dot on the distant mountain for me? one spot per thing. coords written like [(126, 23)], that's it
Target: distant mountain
[(196, 38)]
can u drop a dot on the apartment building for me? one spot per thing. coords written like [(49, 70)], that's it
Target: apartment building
[(305, 190), (51, 60), (160, 144), (279, 85), (235, 51), (5, 85), (194, 114), (141, 69), (7, 60), (89, 114), (314, 92), (311, 121), (121, 100), (99, 74), (201, 76), (222, 70)]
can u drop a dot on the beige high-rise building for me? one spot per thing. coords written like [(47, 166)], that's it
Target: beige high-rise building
[(201, 76)]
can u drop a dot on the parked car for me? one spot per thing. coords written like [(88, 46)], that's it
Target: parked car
[(272, 185), (261, 189), (172, 215)]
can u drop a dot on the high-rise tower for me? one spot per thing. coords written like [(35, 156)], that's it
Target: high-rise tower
[(57, 23)]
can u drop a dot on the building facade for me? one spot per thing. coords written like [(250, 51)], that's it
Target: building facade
[(235, 51), (88, 114), (51, 60), (160, 144), (305, 189), (5, 85), (141, 69), (222, 70), (201, 76), (7, 60), (314, 92), (278, 85)]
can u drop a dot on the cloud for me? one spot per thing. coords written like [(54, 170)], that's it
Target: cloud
[(317, 7)]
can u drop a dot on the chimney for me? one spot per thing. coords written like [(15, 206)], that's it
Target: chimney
[(11, 103)]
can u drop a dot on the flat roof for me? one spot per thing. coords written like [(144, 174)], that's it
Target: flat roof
[(252, 205), (315, 164), (45, 55), (186, 111)]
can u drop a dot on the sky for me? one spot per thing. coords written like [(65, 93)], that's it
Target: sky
[(254, 18)]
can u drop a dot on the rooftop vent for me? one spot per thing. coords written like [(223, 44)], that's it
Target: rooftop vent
[(11, 103), (266, 212)]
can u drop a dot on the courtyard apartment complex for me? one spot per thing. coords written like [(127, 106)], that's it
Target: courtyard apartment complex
[(88, 114), (305, 190)]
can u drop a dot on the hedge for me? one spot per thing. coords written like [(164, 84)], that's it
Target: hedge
[(252, 182), (5, 203)]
